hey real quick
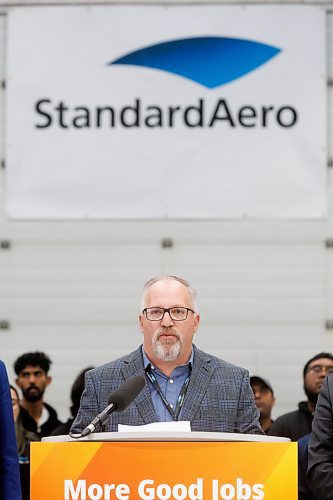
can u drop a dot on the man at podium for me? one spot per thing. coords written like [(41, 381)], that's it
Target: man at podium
[(182, 382)]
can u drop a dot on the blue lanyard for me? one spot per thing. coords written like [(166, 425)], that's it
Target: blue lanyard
[(181, 397)]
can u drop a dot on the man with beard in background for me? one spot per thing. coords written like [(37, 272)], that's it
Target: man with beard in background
[(298, 423), (182, 382), (32, 378)]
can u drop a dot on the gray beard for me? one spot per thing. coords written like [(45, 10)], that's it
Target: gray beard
[(166, 351)]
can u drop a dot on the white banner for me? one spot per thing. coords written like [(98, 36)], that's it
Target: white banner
[(166, 112)]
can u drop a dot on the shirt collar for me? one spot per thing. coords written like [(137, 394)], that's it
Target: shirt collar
[(43, 418), (146, 360)]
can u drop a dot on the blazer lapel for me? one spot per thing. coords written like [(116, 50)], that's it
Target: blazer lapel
[(200, 377), (133, 366)]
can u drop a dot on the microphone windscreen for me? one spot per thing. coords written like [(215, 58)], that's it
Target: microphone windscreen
[(127, 392)]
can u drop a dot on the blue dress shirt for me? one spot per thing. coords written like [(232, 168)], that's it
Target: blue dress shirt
[(170, 387)]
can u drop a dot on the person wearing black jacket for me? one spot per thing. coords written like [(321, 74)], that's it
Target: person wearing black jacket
[(32, 378), (297, 424)]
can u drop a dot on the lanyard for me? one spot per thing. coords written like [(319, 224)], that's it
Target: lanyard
[(181, 397)]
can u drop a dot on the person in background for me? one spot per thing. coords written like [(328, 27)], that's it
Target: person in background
[(264, 399), (320, 467), (76, 393), (296, 424), (10, 487), (182, 382), (23, 438), (32, 378)]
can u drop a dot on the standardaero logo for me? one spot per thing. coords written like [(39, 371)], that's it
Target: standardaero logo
[(210, 61)]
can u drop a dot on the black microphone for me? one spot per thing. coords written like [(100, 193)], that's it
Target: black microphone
[(118, 400)]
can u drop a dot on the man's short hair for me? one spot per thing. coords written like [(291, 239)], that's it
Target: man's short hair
[(255, 379), (33, 359), (152, 281), (327, 355)]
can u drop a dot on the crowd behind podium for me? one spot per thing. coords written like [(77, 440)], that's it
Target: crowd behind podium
[(30, 417), (33, 417)]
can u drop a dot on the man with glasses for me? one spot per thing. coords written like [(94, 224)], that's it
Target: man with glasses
[(182, 382), (298, 423)]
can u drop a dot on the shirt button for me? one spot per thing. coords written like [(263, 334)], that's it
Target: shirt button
[(171, 381), (171, 406)]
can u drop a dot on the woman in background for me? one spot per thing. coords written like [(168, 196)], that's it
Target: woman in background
[(23, 438)]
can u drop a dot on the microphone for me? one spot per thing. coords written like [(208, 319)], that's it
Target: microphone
[(118, 400)]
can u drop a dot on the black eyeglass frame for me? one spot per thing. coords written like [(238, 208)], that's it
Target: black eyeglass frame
[(144, 311)]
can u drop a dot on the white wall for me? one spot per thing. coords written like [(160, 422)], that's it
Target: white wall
[(265, 288)]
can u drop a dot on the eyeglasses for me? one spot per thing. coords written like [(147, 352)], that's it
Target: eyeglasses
[(319, 368), (175, 313)]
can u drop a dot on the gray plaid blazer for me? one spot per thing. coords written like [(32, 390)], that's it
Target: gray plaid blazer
[(219, 397)]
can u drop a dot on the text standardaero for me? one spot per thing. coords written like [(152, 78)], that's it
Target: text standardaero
[(138, 115)]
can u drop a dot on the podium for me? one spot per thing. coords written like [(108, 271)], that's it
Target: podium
[(161, 465)]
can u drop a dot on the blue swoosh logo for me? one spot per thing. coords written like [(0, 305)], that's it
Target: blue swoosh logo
[(210, 61)]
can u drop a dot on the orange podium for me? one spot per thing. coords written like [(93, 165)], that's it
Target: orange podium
[(191, 465)]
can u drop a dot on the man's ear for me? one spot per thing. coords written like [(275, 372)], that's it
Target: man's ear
[(48, 379), (17, 382), (141, 322), (196, 322)]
